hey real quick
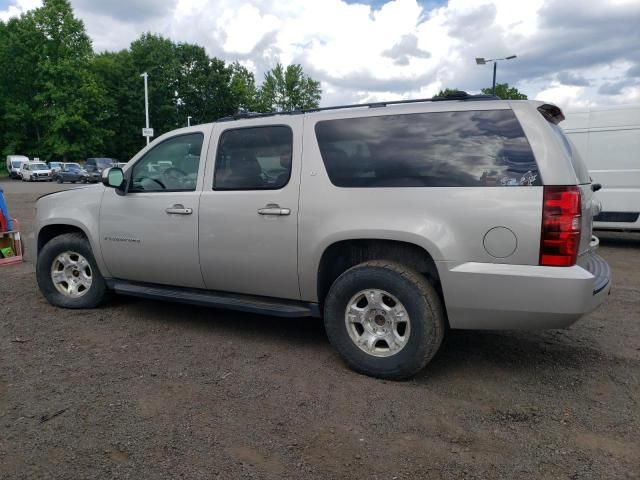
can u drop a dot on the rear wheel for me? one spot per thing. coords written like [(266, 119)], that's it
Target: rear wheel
[(67, 273), (385, 319)]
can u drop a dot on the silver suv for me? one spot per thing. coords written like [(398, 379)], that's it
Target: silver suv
[(391, 221)]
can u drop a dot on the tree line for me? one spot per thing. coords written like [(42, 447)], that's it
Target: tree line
[(61, 100), (503, 91)]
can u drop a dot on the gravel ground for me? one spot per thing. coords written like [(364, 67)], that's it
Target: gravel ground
[(140, 389)]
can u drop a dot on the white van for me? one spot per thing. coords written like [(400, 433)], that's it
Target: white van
[(608, 139), (14, 164)]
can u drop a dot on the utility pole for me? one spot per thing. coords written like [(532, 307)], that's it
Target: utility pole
[(493, 89), (484, 61), (145, 75)]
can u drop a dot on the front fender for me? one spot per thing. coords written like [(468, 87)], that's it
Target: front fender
[(78, 208)]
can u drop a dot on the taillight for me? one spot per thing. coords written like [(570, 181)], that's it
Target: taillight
[(561, 222)]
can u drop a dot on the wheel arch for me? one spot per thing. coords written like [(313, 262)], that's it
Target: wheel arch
[(49, 232), (344, 254)]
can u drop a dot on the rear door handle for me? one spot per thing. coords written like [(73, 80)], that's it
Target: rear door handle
[(179, 210), (274, 209)]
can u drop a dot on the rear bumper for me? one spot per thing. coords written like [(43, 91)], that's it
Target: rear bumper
[(523, 297)]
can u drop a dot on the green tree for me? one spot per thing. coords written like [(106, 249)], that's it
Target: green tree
[(243, 91), (446, 91), (286, 89), (203, 85), (124, 103), (505, 92), (156, 55), (20, 52), (71, 104)]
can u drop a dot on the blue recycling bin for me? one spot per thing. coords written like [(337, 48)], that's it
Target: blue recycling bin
[(5, 212)]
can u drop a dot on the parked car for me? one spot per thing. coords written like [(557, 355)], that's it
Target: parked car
[(70, 172), (55, 166), (14, 165), (95, 166), (394, 222), (608, 139), (36, 172)]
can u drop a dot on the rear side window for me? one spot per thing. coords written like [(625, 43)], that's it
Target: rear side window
[(254, 158), (440, 149), (582, 173)]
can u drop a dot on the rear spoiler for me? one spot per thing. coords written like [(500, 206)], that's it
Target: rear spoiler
[(551, 112)]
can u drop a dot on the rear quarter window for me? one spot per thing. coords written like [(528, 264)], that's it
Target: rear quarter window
[(439, 149), (582, 172)]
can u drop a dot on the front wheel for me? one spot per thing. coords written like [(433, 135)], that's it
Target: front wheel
[(68, 275), (385, 319)]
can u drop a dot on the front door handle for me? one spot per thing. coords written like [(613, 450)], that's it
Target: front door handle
[(274, 209), (179, 209)]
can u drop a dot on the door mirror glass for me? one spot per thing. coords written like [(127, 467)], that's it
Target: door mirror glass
[(113, 177)]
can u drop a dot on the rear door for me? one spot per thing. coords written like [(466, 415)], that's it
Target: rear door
[(248, 227)]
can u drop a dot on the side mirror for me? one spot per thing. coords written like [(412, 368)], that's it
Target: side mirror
[(113, 177)]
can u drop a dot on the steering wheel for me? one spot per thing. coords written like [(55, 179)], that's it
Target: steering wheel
[(174, 172), (143, 177)]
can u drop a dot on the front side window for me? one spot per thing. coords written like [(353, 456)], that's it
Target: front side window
[(256, 158), (438, 149), (170, 166)]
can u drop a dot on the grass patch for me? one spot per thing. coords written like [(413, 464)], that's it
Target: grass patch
[(3, 172)]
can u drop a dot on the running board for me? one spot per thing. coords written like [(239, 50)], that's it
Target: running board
[(210, 298)]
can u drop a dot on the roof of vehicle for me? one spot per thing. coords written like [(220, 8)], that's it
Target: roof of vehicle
[(458, 96)]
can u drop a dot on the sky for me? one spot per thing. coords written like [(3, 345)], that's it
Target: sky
[(575, 53)]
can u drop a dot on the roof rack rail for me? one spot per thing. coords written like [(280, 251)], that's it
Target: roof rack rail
[(456, 95)]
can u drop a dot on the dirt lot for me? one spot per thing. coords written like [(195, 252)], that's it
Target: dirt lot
[(141, 389)]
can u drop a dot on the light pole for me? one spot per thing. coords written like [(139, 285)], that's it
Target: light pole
[(145, 75), (483, 61), (189, 121)]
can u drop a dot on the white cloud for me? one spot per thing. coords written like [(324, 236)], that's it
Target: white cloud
[(399, 50)]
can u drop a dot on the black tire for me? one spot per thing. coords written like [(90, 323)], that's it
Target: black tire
[(75, 242), (59, 180), (421, 302)]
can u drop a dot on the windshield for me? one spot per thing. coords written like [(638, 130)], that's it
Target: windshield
[(72, 166), (39, 166), (54, 164), (17, 163)]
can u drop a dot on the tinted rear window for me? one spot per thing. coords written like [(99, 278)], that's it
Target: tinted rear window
[(439, 149)]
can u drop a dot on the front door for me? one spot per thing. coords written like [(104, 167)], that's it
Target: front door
[(248, 225), (151, 233)]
